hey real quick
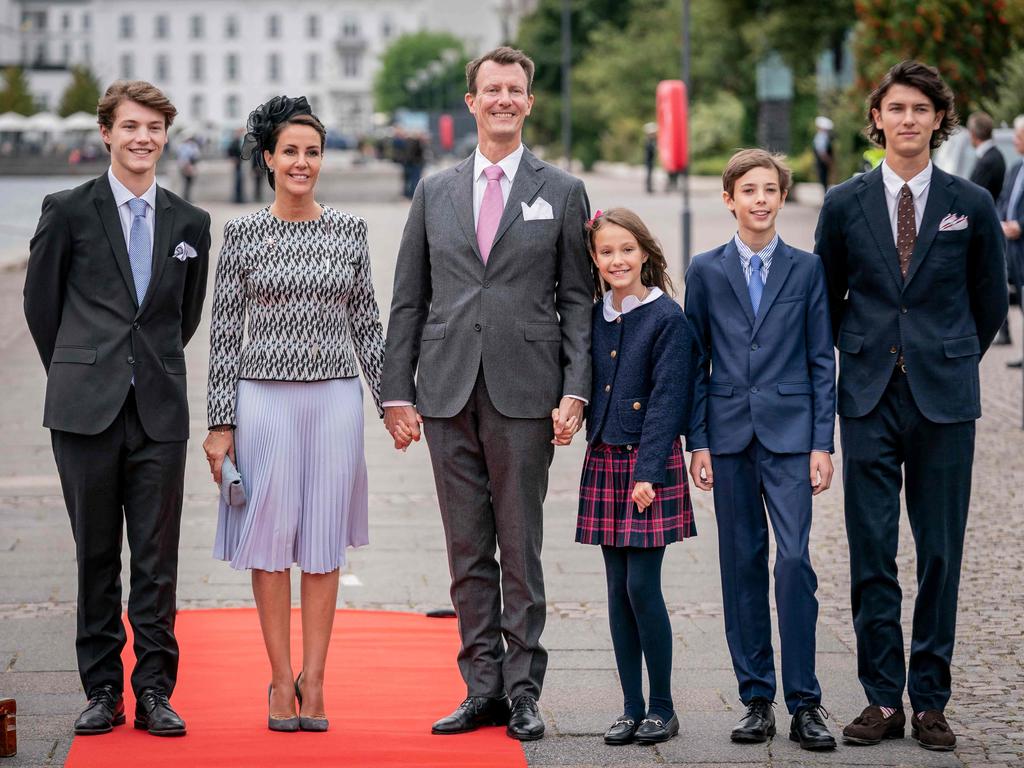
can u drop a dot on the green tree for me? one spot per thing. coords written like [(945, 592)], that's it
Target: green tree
[(15, 95), (1008, 97), (966, 39), (412, 54), (82, 93)]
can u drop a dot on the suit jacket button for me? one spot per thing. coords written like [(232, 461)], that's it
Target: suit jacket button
[(487, 283), (618, 319), (136, 326), (754, 347), (753, 390), (903, 310), (607, 387), (614, 353), (476, 326), (131, 360), (893, 350), (637, 406)]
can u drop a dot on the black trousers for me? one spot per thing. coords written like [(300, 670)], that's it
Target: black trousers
[(892, 444), (117, 477), (491, 473)]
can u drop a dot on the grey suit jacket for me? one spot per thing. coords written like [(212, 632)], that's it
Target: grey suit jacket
[(524, 317)]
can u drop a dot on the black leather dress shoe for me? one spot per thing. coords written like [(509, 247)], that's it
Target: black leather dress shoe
[(808, 727), (757, 725), (654, 730), (153, 713), (474, 712), (621, 731), (104, 711), (525, 722)]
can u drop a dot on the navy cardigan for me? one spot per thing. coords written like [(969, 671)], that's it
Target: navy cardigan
[(644, 366)]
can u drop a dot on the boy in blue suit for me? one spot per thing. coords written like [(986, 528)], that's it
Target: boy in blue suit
[(762, 435)]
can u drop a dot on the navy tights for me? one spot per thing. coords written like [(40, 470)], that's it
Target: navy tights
[(640, 627)]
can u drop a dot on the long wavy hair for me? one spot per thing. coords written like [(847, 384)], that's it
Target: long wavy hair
[(654, 273)]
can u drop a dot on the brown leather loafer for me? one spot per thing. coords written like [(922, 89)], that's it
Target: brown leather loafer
[(933, 732), (872, 726)]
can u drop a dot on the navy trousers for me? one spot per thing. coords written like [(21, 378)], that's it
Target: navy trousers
[(936, 461), (746, 483)]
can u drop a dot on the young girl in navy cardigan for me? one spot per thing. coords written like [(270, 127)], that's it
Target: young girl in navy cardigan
[(634, 497)]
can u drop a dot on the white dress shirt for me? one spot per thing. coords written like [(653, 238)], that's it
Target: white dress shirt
[(121, 197), (918, 188), (509, 164)]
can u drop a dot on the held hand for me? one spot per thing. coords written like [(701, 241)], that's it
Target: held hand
[(567, 419), (821, 471), (700, 470), (643, 495), (217, 445), (403, 423), (1011, 229)]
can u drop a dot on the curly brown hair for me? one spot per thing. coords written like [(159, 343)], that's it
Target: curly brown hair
[(928, 81), (654, 272)]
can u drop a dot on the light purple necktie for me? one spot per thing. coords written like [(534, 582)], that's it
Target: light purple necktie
[(490, 211)]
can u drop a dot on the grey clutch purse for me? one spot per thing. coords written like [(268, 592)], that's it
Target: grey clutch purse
[(231, 488)]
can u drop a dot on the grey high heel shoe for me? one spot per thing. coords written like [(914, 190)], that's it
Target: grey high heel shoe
[(284, 724), (315, 724)]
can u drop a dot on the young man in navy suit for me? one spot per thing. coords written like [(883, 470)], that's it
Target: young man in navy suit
[(762, 432), (917, 288)]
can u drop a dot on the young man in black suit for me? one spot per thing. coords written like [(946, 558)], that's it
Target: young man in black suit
[(114, 290), (917, 285)]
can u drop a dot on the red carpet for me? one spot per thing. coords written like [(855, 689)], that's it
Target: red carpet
[(389, 676)]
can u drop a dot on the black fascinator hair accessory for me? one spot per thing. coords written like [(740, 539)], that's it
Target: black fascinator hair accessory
[(265, 119)]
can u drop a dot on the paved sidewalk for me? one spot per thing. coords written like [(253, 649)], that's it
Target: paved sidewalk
[(405, 566)]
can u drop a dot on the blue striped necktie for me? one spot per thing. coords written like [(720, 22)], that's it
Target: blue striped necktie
[(756, 284), (140, 250)]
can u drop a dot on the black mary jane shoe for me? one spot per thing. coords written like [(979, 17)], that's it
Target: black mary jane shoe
[(757, 725), (104, 711), (809, 729), (153, 713), (622, 731), (654, 730)]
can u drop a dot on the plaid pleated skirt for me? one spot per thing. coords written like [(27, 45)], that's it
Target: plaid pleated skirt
[(608, 514)]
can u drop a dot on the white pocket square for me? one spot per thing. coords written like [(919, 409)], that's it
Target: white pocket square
[(184, 251), (953, 222), (541, 209)]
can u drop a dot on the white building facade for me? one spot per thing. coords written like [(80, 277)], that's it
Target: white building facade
[(217, 59)]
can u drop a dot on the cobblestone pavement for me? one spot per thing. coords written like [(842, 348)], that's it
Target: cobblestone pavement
[(405, 567)]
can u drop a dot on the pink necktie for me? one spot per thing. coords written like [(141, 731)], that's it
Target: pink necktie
[(490, 211)]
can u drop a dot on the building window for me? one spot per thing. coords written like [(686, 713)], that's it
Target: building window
[(273, 26), (386, 29), (41, 53), (350, 27), (33, 21), (231, 27), (198, 107), (65, 21), (87, 52), (231, 107), (161, 28), (196, 27), (313, 26), (196, 67), (313, 67), (86, 21), (314, 104), (126, 27), (127, 66), (350, 65), (231, 67), (274, 67), (66, 54), (162, 68)]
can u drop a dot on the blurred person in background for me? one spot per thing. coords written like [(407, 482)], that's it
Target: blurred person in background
[(1010, 208)]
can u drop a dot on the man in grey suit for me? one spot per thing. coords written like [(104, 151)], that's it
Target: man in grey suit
[(489, 348), (1010, 207)]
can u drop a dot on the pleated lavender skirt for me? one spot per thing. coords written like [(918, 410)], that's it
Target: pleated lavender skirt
[(299, 449)]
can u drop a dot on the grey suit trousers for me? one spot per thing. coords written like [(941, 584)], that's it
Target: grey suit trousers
[(491, 473)]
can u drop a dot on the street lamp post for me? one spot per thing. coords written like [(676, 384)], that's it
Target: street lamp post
[(685, 66), (566, 79)]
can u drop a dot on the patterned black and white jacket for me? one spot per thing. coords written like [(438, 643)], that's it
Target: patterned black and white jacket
[(306, 290)]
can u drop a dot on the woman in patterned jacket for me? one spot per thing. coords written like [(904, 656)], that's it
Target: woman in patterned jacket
[(286, 405)]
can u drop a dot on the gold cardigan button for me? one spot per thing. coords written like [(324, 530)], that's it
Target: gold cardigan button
[(636, 406)]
